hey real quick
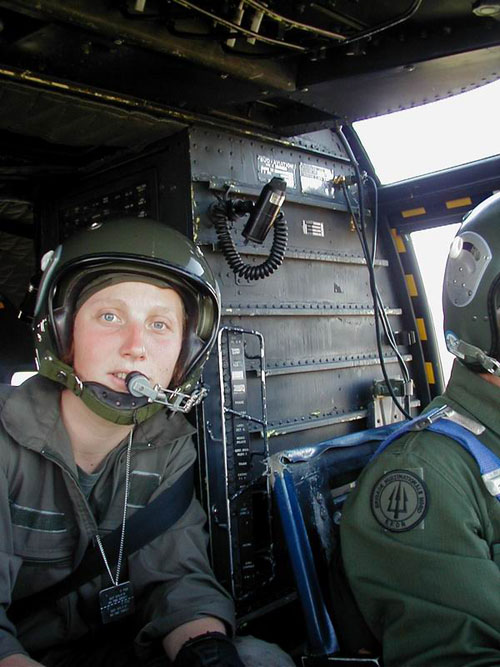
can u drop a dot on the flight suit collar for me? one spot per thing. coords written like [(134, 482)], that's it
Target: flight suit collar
[(475, 396), (31, 416)]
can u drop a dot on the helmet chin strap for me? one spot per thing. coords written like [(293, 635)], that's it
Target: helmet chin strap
[(471, 354), (117, 407), (133, 407)]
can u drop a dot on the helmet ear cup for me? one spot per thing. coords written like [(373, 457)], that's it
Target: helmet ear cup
[(191, 348), (206, 317), (63, 331), (494, 317)]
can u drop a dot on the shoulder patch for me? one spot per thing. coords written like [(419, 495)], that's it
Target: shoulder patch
[(399, 500)]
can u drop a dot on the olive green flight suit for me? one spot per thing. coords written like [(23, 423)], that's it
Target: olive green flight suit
[(46, 525), (421, 541)]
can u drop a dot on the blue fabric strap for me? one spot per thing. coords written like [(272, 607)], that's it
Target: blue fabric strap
[(488, 462), (414, 424)]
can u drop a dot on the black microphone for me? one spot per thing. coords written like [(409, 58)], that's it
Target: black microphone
[(265, 211)]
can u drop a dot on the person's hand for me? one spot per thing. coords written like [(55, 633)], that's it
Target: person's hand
[(212, 649)]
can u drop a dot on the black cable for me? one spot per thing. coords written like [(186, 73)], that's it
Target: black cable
[(392, 341), (220, 218), (380, 311), (385, 320), (375, 216), (374, 291), (360, 228)]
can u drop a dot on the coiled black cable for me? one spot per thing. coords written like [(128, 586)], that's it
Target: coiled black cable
[(220, 218)]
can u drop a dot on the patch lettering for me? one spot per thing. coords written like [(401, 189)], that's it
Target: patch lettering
[(399, 500)]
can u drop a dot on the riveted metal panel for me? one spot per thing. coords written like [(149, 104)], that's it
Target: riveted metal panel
[(315, 314)]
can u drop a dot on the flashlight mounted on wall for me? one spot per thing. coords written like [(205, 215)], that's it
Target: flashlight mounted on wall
[(263, 215)]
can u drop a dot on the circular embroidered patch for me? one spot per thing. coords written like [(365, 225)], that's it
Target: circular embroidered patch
[(399, 500)]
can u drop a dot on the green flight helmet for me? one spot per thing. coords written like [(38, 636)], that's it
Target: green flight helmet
[(151, 251), (471, 290)]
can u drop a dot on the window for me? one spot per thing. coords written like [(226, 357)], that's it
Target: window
[(431, 248), (436, 136)]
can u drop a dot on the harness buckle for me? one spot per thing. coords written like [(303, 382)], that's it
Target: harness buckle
[(492, 481), (429, 418)]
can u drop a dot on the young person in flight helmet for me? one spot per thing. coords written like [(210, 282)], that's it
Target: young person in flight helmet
[(79, 454), (421, 533)]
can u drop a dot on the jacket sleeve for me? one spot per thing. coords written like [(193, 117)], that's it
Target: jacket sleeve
[(430, 590), (10, 565), (173, 570)]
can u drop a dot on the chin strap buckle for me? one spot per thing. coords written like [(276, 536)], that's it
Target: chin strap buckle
[(140, 386), (471, 354), (179, 402)]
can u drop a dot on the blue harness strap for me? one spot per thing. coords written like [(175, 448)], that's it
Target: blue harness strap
[(488, 462)]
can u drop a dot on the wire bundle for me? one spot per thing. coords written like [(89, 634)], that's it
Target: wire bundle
[(379, 309)]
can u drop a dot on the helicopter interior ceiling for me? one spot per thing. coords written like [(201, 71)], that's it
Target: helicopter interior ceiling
[(83, 83), (80, 80)]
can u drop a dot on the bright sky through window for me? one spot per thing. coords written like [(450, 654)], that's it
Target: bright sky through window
[(436, 136), (431, 247)]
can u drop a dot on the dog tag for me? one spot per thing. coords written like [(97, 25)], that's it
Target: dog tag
[(116, 602)]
